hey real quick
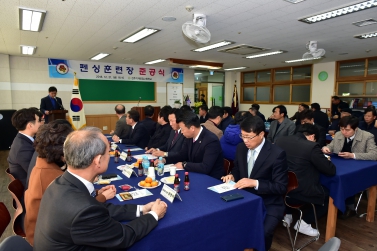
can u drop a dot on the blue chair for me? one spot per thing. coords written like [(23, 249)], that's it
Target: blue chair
[(15, 243)]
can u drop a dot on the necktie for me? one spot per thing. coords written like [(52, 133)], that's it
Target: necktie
[(175, 137), (250, 163), (349, 141), (93, 194)]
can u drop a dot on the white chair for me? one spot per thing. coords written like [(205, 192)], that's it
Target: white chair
[(331, 245)]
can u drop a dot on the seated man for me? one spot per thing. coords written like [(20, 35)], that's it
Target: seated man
[(281, 126), (256, 107), (70, 218), (163, 130), (261, 168), (122, 130), (215, 115), (301, 107), (369, 122), (320, 118), (227, 118), (27, 122), (306, 160), (139, 135), (334, 127), (203, 113), (306, 116), (148, 122), (201, 152)]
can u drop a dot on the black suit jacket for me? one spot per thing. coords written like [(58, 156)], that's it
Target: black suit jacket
[(46, 105), (70, 219), (203, 119), (160, 136), (321, 119), (150, 125), (322, 134), (173, 147), (20, 154), (270, 169), (225, 122), (138, 137), (307, 161), (203, 156), (261, 116)]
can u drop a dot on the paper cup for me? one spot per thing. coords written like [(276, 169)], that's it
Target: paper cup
[(172, 170)]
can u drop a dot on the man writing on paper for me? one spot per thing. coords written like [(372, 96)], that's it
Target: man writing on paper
[(51, 102), (70, 218), (260, 167)]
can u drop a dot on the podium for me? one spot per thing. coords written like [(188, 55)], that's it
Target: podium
[(140, 109), (57, 114)]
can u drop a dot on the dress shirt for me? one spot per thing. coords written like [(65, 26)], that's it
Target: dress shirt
[(197, 136), (133, 127), (256, 153), (29, 137)]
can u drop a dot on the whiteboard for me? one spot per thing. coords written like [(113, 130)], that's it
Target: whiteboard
[(173, 93)]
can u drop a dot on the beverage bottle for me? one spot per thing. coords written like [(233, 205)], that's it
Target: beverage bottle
[(140, 170), (176, 183), (145, 163), (116, 156), (160, 167), (129, 157), (187, 181)]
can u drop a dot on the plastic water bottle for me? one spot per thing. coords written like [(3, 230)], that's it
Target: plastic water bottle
[(267, 125), (145, 163), (160, 167)]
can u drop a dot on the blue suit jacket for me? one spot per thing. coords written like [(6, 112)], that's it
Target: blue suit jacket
[(150, 125), (46, 105), (138, 136)]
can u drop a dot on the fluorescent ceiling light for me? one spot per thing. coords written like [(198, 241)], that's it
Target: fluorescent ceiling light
[(340, 11), (237, 68), (367, 35), (100, 56), (301, 60), (365, 22), (197, 73), (31, 20), (294, 1), (155, 61), (27, 50), (213, 46), (265, 54), (205, 67), (140, 34)]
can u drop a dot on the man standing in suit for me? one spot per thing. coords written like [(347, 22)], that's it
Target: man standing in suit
[(122, 130), (281, 126), (148, 122), (70, 218), (201, 152), (215, 115), (306, 160), (320, 117), (306, 117), (51, 102), (337, 103), (138, 136), (163, 129), (26, 121), (261, 168)]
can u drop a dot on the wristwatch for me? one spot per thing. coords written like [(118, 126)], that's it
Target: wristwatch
[(165, 154), (184, 164)]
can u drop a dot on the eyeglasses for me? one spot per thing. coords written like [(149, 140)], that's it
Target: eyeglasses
[(248, 138)]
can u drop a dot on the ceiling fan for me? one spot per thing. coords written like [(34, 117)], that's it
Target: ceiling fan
[(196, 29)]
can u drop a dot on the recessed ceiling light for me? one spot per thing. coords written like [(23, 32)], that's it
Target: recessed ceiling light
[(294, 1), (140, 34), (27, 50), (100, 56), (169, 19), (155, 61), (265, 54), (301, 60), (213, 46), (365, 22), (367, 35), (340, 11), (31, 20), (237, 68)]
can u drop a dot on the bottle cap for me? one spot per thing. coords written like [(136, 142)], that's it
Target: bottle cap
[(176, 175), (186, 173)]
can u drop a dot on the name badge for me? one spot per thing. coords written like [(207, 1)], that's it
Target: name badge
[(114, 147), (128, 172), (123, 156), (169, 193)]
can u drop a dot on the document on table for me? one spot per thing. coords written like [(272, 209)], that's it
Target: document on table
[(140, 156), (134, 149), (223, 187), (134, 194)]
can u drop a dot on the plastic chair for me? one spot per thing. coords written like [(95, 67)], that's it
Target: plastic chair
[(15, 243), (331, 245), (4, 218), (226, 166), (293, 184), (16, 189)]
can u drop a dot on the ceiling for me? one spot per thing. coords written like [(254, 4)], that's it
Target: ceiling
[(79, 29)]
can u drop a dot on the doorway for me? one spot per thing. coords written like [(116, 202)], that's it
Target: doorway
[(211, 85)]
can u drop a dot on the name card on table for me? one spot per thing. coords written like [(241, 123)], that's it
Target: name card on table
[(169, 193), (133, 195), (123, 156), (114, 147), (222, 188), (128, 171)]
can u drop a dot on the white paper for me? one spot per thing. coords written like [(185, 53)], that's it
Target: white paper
[(223, 187), (123, 156), (135, 149), (140, 193), (169, 193), (140, 156)]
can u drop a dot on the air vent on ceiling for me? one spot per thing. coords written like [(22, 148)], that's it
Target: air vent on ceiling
[(365, 22), (243, 49)]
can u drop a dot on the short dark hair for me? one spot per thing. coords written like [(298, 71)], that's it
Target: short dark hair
[(149, 111), (204, 107), (52, 89), (343, 106), (304, 105), (306, 114), (50, 139), (228, 110), (176, 111), (185, 108), (253, 124), (202, 95), (256, 106), (22, 117), (282, 109), (189, 119), (349, 110), (335, 97), (120, 111), (374, 113), (353, 122), (315, 106), (215, 111), (309, 129), (164, 112), (134, 115), (240, 116)]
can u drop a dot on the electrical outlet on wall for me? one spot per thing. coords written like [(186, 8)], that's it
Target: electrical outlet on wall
[(104, 128)]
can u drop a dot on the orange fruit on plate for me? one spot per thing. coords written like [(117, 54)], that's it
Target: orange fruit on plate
[(148, 180), (154, 183), (142, 183), (147, 185)]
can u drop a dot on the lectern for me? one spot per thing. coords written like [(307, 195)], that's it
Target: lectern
[(57, 114), (141, 112)]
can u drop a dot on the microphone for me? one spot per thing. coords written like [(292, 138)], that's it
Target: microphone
[(61, 105), (138, 102)]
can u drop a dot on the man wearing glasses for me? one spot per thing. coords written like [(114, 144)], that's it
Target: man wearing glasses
[(261, 168)]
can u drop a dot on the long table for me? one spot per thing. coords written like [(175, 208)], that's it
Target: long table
[(352, 176), (202, 220)]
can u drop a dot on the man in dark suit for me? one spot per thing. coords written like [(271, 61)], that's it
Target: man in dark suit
[(307, 161), (282, 125), (306, 116), (227, 118), (320, 117), (163, 129), (51, 102), (201, 152), (139, 135), (122, 130), (337, 103), (148, 122), (261, 168), (203, 113), (27, 122), (70, 218)]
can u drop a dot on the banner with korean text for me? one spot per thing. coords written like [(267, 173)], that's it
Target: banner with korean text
[(61, 68)]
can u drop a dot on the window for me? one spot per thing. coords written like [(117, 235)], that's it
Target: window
[(350, 89), (263, 94), (300, 93), (263, 76), (282, 74), (249, 77), (281, 93), (354, 68), (248, 93), (302, 73), (372, 67)]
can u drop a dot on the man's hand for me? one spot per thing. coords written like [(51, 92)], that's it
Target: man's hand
[(108, 191), (346, 155), (179, 165), (112, 132), (335, 117), (326, 150), (159, 207), (245, 183), (151, 150), (227, 178), (156, 161), (158, 153), (147, 207), (115, 138), (47, 112)]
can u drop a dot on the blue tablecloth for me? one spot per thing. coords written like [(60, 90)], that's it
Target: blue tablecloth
[(202, 220), (352, 176)]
